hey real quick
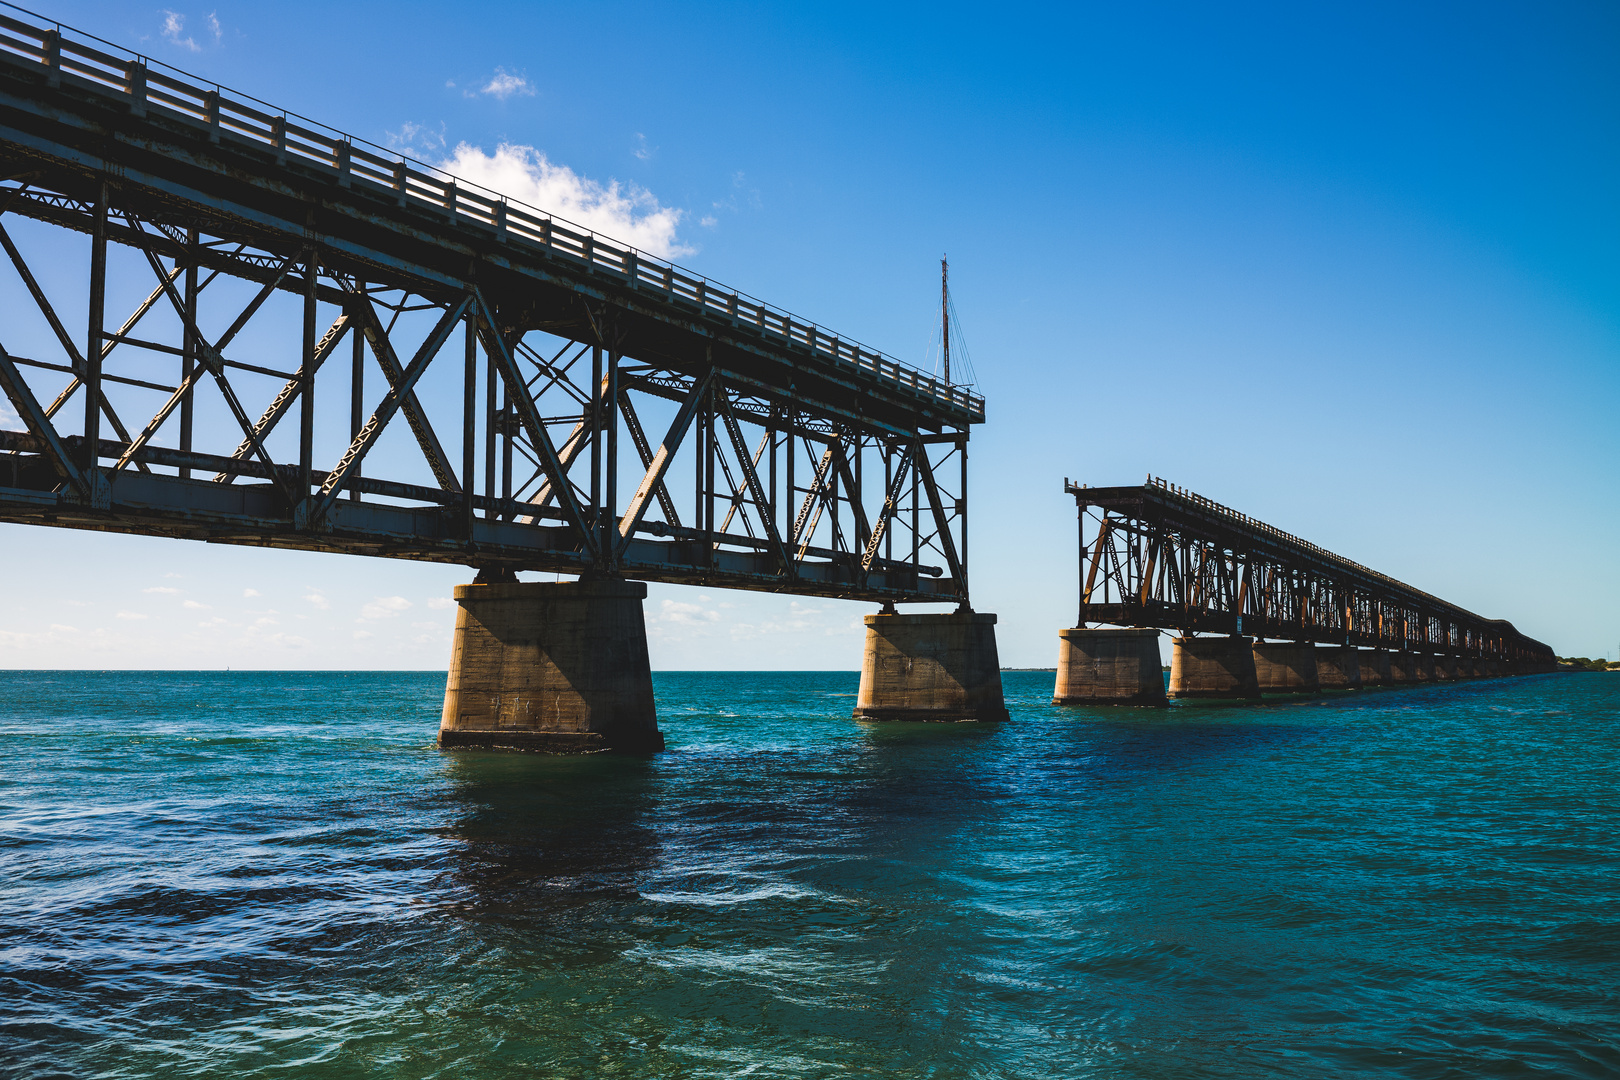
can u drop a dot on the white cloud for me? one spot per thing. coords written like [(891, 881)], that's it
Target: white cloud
[(503, 84), (361, 635), (417, 139), (642, 150), (161, 589), (625, 212), (384, 607), (8, 415), (174, 24), (172, 574), (214, 28), (682, 614), (248, 594), (441, 603), (194, 606), (132, 615), (314, 597)]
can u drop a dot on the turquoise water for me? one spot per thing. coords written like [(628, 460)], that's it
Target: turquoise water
[(246, 874)]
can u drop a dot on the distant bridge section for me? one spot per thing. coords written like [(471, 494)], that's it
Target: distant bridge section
[(1158, 556)]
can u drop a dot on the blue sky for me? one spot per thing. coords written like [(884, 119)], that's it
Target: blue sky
[(1354, 270)]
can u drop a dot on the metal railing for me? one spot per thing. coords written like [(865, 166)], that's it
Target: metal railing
[(146, 84)]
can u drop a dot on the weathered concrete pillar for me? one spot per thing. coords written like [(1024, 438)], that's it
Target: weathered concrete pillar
[(1213, 667), (1488, 669), (1338, 667), (1445, 668), (1375, 667), (1286, 667), (1465, 667), (559, 667), (931, 667), (1412, 667), (1109, 667)]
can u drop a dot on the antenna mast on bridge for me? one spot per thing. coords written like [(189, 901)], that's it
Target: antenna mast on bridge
[(945, 312)]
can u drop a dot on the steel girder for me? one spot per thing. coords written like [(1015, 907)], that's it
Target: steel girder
[(774, 495), (1158, 556)]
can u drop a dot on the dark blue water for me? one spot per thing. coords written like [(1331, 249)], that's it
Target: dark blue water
[(278, 875)]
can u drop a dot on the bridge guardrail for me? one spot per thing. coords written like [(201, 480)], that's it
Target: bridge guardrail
[(412, 182)]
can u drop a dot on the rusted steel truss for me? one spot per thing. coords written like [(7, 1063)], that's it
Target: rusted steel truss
[(1159, 556), (306, 357)]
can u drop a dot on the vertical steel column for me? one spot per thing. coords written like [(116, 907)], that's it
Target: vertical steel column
[(883, 520), (306, 381), (706, 467), (188, 346), (610, 494), (831, 485), (469, 426), (961, 516), (595, 420), (776, 517), (1080, 569), (507, 410), (357, 395), (93, 338), (700, 432), (792, 491), (916, 537), (490, 424)]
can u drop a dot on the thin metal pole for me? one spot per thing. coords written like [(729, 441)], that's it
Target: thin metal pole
[(306, 380), (188, 350), (945, 314), (93, 338)]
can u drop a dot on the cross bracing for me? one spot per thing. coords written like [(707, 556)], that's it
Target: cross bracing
[(286, 351)]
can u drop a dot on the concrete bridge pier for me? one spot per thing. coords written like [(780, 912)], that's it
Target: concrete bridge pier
[(940, 668), (1408, 667), (1338, 667), (1286, 667), (1445, 668), (1213, 667), (1109, 667), (554, 667), (1375, 667)]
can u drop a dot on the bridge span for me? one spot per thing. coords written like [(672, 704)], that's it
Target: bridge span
[(1156, 557), (280, 378)]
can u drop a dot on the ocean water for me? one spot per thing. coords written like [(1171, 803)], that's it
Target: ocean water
[(278, 875)]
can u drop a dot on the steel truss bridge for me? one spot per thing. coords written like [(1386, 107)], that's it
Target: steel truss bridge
[(1159, 556), (258, 252)]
